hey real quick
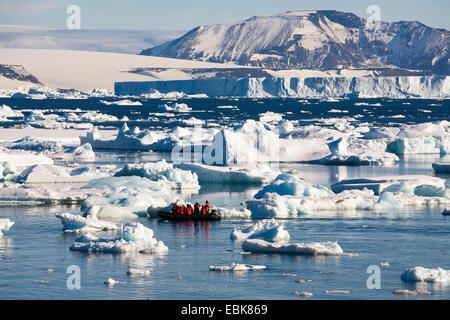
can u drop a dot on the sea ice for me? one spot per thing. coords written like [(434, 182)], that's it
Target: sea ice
[(236, 267), (134, 237), (5, 225), (421, 274), (72, 222), (313, 248)]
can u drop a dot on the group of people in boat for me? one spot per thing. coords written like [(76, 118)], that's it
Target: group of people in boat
[(189, 210)]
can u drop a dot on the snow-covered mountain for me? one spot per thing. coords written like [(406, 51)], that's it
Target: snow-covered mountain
[(317, 40)]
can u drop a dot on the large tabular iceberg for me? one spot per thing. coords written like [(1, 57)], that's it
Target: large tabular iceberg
[(134, 237), (421, 274)]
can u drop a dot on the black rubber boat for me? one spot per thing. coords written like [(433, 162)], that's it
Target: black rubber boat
[(213, 216)]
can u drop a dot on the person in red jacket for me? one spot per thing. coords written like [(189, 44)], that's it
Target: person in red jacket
[(207, 206), (197, 208), (203, 210), (189, 209), (175, 208)]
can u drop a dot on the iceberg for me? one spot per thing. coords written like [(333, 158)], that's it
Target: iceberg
[(80, 153), (256, 174), (7, 112), (45, 173), (134, 237), (405, 184), (268, 230), (77, 223), (5, 225), (126, 139), (287, 184), (176, 107), (421, 274), (312, 249), (163, 172), (124, 102), (16, 158)]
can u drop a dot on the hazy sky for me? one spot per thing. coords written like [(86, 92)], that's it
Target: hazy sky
[(186, 14)]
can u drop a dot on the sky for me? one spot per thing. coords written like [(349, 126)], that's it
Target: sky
[(187, 14)]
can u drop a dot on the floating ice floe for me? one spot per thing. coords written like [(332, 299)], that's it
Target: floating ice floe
[(133, 272), (45, 173), (126, 197), (231, 213), (25, 194), (406, 292), (313, 248), (126, 139), (270, 116), (124, 102), (357, 152), (33, 144), (236, 267), (18, 158), (421, 274), (163, 172), (256, 174), (268, 230), (441, 167), (405, 184), (176, 107), (134, 237), (80, 153), (288, 184), (5, 225), (8, 112), (77, 223)]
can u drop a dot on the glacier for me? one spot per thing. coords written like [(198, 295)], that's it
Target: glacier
[(314, 87)]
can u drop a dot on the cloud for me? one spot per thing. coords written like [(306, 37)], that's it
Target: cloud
[(28, 8)]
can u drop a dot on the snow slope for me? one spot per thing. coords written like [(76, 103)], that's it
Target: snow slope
[(86, 70)]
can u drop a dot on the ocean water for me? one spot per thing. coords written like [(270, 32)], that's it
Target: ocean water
[(405, 239)]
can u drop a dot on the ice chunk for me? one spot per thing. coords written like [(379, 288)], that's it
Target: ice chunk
[(7, 112), (176, 107), (5, 225), (406, 292), (231, 213), (268, 230), (405, 184), (56, 174), (287, 184), (313, 248), (162, 172), (29, 143), (256, 174), (134, 237), (72, 222), (22, 158), (80, 153), (236, 267), (421, 274), (124, 102), (133, 272), (358, 152), (270, 116)]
